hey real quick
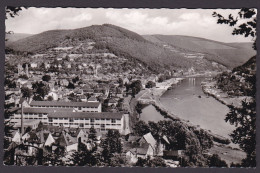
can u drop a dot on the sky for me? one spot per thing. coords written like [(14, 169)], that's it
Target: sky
[(190, 22)]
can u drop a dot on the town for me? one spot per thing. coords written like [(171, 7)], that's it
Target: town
[(110, 94), (61, 95)]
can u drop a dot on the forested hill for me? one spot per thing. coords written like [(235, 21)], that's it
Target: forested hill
[(123, 43), (241, 81), (228, 54)]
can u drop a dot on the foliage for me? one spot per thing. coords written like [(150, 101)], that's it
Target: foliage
[(215, 161), (71, 86), (46, 78), (148, 162), (141, 128), (247, 29), (40, 90), (136, 87), (150, 84), (27, 93), (92, 134), (111, 144), (75, 80), (84, 157)]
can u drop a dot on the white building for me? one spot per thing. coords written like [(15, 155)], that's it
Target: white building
[(40, 114), (77, 106), (101, 120)]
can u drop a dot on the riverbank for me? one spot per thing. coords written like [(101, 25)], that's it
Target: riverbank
[(152, 96), (209, 88)]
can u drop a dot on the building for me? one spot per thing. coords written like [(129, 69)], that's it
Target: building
[(40, 114), (100, 120), (33, 124), (77, 106), (142, 151)]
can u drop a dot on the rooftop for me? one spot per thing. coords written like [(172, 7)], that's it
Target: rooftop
[(44, 110), (73, 104), (111, 115)]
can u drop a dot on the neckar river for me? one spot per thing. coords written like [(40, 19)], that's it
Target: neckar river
[(188, 101)]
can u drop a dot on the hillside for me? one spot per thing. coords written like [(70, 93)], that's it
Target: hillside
[(227, 54), (15, 37), (241, 81), (119, 41)]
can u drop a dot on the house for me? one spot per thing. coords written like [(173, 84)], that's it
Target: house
[(50, 140), (34, 65), (157, 146), (92, 99), (142, 151), (16, 137), (83, 98), (33, 124), (67, 141), (112, 102), (15, 91)]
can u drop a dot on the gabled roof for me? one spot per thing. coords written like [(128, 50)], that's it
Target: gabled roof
[(142, 150), (92, 98), (150, 139), (65, 140), (73, 104), (112, 101)]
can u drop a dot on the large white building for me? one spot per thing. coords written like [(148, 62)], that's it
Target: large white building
[(41, 114), (77, 106), (100, 120), (68, 117)]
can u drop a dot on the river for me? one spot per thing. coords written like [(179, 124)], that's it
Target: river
[(188, 101)]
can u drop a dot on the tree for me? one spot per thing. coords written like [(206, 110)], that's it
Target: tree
[(40, 90), (71, 86), (136, 86), (150, 84), (121, 83), (247, 29), (27, 93), (50, 98), (92, 134), (141, 128), (139, 108), (244, 117), (215, 161), (46, 78), (111, 145), (84, 157), (76, 79), (148, 162)]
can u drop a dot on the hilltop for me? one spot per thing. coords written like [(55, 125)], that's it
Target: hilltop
[(227, 54), (157, 53)]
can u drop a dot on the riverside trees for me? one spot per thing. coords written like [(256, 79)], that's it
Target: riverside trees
[(244, 117)]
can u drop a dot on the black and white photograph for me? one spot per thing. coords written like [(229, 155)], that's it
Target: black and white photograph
[(130, 87)]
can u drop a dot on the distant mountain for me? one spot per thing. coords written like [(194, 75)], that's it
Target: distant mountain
[(16, 36), (158, 53), (228, 54)]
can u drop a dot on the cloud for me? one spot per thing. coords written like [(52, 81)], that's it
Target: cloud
[(190, 16)]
